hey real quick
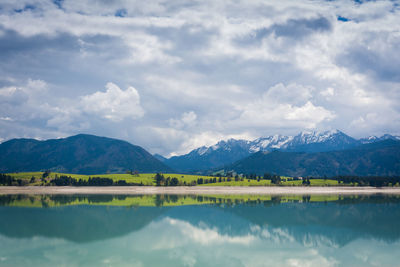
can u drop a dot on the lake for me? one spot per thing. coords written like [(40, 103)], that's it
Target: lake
[(199, 230)]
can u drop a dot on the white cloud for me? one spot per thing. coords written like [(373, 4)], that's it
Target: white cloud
[(328, 93), (6, 119), (212, 58), (187, 119), (292, 94), (114, 104), (12, 95), (284, 107), (309, 113)]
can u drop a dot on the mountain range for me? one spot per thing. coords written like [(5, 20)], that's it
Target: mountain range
[(380, 158), (85, 154), (308, 153), (226, 152)]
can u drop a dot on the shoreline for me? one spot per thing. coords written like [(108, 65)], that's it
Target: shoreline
[(186, 190)]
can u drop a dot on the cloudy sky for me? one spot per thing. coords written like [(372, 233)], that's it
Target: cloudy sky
[(174, 75)]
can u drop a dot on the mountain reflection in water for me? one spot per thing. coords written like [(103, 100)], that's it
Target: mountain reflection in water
[(188, 230)]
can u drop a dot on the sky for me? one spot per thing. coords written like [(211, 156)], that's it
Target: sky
[(171, 76)]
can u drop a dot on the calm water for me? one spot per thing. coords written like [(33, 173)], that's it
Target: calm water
[(199, 231)]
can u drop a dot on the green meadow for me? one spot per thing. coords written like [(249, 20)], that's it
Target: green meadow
[(148, 179), (143, 178)]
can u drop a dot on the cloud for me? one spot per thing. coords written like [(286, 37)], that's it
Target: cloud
[(32, 111), (12, 95), (284, 107), (187, 119), (114, 104), (292, 93), (205, 69), (299, 28), (328, 93), (6, 119), (368, 58)]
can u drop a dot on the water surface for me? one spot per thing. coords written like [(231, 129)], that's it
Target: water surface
[(214, 230)]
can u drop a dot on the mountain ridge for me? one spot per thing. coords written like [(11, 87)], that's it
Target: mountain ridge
[(82, 153), (231, 150), (375, 159)]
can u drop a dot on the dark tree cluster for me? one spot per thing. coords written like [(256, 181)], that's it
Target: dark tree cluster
[(306, 181), (9, 180), (275, 179), (92, 181), (211, 180), (6, 179), (376, 181), (162, 181), (46, 174), (252, 176)]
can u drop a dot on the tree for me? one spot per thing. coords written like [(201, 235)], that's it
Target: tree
[(160, 180), (306, 181), (174, 181), (267, 176), (275, 179), (46, 174), (6, 179)]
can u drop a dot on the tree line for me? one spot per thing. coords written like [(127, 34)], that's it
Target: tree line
[(375, 181), (9, 180), (92, 181), (161, 180)]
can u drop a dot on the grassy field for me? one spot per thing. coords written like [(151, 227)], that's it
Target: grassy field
[(144, 178), (148, 179)]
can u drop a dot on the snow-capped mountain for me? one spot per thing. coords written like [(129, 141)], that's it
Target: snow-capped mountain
[(373, 138), (308, 141), (228, 145), (270, 143), (203, 158), (314, 141), (229, 151)]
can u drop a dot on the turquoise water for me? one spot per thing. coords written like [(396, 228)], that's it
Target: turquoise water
[(199, 231)]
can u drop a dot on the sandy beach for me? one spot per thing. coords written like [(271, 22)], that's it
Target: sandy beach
[(139, 190)]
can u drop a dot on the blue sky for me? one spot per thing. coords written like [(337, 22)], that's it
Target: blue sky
[(174, 75)]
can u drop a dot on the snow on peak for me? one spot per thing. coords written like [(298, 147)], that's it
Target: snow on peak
[(202, 150), (277, 141), (269, 142), (226, 145), (374, 138), (389, 136), (308, 137)]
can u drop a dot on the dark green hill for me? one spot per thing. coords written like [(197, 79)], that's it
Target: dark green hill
[(380, 158), (85, 154)]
